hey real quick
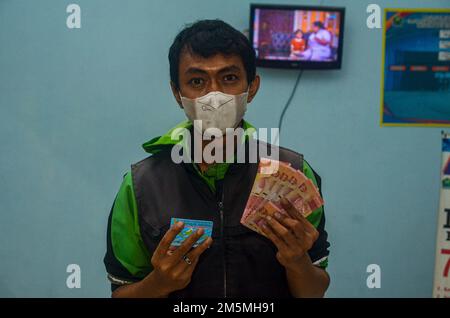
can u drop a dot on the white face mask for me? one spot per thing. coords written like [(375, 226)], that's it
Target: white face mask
[(216, 110)]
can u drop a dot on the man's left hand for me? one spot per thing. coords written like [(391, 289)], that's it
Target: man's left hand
[(293, 235)]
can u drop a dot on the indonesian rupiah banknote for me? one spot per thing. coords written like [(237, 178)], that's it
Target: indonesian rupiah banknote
[(275, 180)]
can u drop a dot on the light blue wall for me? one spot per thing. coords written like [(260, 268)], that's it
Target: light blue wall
[(75, 106)]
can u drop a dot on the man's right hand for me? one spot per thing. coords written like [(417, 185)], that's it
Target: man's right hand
[(173, 267), (171, 270)]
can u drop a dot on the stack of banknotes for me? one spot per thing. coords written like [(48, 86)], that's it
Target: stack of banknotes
[(275, 180)]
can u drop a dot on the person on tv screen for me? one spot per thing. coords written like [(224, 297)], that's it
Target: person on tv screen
[(319, 43), (212, 78), (298, 45)]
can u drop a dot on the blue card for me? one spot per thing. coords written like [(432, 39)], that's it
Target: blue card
[(190, 226)]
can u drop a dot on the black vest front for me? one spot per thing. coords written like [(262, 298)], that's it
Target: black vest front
[(240, 262)]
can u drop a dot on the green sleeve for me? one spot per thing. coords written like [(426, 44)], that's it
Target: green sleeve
[(319, 252), (316, 215), (127, 244)]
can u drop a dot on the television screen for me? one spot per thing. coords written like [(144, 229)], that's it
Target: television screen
[(302, 37)]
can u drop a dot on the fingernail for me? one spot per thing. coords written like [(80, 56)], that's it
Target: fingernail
[(277, 215), (268, 218), (180, 224), (200, 231)]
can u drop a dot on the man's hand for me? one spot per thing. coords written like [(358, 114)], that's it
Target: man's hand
[(293, 235), (172, 267)]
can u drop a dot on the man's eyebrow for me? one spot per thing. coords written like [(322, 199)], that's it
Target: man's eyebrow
[(231, 68), (196, 70)]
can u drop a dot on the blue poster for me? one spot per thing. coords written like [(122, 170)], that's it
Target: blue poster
[(416, 68)]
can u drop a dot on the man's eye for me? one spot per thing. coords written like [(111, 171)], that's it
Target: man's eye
[(230, 78), (196, 82)]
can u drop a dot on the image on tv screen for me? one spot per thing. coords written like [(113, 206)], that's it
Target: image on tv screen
[(296, 35)]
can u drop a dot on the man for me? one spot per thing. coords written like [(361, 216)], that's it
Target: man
[(211, 63), (319, 43)]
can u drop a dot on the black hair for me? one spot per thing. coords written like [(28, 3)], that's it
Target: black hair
[(318, 24), (208, 38)]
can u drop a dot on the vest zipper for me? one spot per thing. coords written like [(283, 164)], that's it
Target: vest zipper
[(223, 247)]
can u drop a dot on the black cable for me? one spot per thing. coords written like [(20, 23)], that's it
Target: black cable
[(286, 106)]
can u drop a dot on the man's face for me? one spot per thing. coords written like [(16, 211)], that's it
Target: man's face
[(225, 73), (315, 28)]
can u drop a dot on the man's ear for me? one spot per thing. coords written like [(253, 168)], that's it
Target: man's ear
[(176, 93), (253, 89)]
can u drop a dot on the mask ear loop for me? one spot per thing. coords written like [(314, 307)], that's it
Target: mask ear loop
[(181, 100), (247, 91)]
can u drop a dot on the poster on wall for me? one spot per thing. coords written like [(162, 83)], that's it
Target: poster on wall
[(441, 286), (415, 84)]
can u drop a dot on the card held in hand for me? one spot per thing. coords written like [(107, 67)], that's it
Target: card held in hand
[(190, 227)]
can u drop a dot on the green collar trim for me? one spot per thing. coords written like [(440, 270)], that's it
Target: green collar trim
[(157, 144)]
